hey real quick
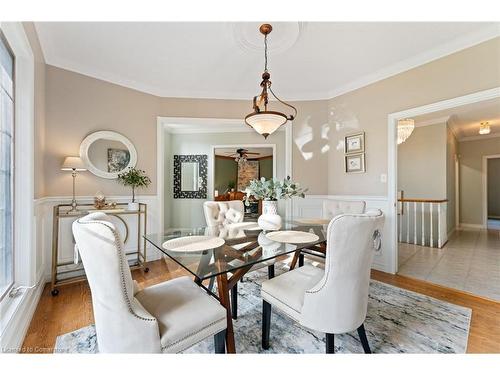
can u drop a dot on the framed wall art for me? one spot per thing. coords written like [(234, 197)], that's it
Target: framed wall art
[(354, 143), (355, 163)]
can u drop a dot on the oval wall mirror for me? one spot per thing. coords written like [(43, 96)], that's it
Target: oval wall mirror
[(107, 153)]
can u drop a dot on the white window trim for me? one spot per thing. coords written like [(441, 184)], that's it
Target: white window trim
[(16, 312)]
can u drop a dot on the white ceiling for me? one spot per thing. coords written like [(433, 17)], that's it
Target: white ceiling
[(465, 120), (224, 60)]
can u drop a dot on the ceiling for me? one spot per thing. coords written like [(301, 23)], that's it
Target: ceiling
[(224, 60), (262, 151), (465, 120)]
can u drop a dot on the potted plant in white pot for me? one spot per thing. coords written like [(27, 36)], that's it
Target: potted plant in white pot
[(135, 178), (270, 191)]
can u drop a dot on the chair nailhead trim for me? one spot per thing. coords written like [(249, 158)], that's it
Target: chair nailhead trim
[(193, 333), (122, 273)]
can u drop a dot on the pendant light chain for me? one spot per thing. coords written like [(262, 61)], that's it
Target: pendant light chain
[(265, 53)]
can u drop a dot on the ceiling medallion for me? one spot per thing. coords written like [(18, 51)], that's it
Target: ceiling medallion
[(262, 120)]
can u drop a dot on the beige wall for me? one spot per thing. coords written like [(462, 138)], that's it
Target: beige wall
[(471, 189), (77, 105), (422, 163), (471, 70), (494, 187), (39, 135)]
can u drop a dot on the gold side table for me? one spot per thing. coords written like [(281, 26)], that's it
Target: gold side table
[(68, 272)]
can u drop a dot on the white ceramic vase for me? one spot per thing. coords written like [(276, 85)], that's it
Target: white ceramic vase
[(133, 206), (269, 220)]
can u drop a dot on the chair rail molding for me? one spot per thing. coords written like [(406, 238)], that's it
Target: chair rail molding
[(392, 166), (312, 207)]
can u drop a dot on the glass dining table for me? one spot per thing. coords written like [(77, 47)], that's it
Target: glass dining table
[(241, 246)]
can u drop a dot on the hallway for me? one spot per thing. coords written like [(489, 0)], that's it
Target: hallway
[(470, 261)]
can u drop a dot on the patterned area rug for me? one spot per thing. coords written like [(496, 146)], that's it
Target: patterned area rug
[(398, 321)]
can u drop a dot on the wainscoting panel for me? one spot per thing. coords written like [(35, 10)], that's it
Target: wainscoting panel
[(312, 207)]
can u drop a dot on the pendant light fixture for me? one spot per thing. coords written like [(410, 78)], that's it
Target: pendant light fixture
[(262, 120), (484, 128), (405, 128)]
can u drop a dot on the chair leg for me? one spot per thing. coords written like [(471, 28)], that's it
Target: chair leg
[(266, 324), (364, 340), (330, 347), (234, 301), (270, 271), (220, 342), (301, 260)]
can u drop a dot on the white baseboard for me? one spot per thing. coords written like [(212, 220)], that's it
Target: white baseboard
[(471, 226)]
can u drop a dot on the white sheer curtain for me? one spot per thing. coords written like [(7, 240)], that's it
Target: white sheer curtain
[(6, 167)]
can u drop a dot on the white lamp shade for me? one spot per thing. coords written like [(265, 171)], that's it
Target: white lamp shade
[(73, 163), (266, 123)]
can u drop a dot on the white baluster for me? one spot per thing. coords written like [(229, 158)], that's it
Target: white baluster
[(408, 222), (423, 223), (415, 223), (432, 239), (439, 225)]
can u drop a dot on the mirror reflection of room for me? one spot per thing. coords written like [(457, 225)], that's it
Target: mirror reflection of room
[(108, 155), (235, 167)]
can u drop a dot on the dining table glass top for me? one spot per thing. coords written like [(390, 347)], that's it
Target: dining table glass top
[(244, 245)]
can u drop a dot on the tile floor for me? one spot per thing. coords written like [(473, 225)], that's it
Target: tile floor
[(470, 261)]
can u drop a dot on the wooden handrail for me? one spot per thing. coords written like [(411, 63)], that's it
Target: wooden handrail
[(423, 200)]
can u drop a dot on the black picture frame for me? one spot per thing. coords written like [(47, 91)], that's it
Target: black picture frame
[(202, 161)]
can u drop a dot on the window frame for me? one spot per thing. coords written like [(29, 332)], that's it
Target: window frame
[(6, 44)]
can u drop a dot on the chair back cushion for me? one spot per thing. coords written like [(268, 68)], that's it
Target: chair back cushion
[(215, 212), (333, 207), (338, 303), (122, 324)]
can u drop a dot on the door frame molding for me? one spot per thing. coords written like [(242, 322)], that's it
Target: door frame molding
[(196, 125), (484, 190), (392, 166)]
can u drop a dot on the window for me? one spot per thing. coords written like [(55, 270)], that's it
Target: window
[(6, 167)]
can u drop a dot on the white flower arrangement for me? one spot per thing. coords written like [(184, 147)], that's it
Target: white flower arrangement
[(273, 189)]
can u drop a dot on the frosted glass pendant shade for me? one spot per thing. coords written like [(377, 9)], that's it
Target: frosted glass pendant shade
[(266, 123)]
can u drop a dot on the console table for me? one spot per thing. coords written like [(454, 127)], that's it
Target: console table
[(66, 272)]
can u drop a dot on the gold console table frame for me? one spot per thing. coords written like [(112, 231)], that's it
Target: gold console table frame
[(63, 211)]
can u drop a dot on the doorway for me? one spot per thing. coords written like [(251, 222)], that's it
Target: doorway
[(491, 191)]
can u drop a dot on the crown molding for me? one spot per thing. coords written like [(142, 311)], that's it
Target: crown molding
[(451, 47), (433, 121), (479, 137)]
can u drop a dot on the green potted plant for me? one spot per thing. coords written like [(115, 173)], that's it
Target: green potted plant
[(270, 191), (231, 185), (135, 178)]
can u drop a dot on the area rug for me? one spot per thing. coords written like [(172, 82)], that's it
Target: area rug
[(398, 321)]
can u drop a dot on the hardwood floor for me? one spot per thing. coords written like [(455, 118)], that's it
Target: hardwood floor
[(72, 308)]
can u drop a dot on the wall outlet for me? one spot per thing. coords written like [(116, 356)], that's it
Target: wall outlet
[(383, 178)]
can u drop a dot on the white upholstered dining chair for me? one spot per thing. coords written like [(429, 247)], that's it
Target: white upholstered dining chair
[(333, 300), (223, 212), (332, 208), (161, 318), (220, 216)]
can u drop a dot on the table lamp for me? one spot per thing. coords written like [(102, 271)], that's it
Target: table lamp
[(73, 164)]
